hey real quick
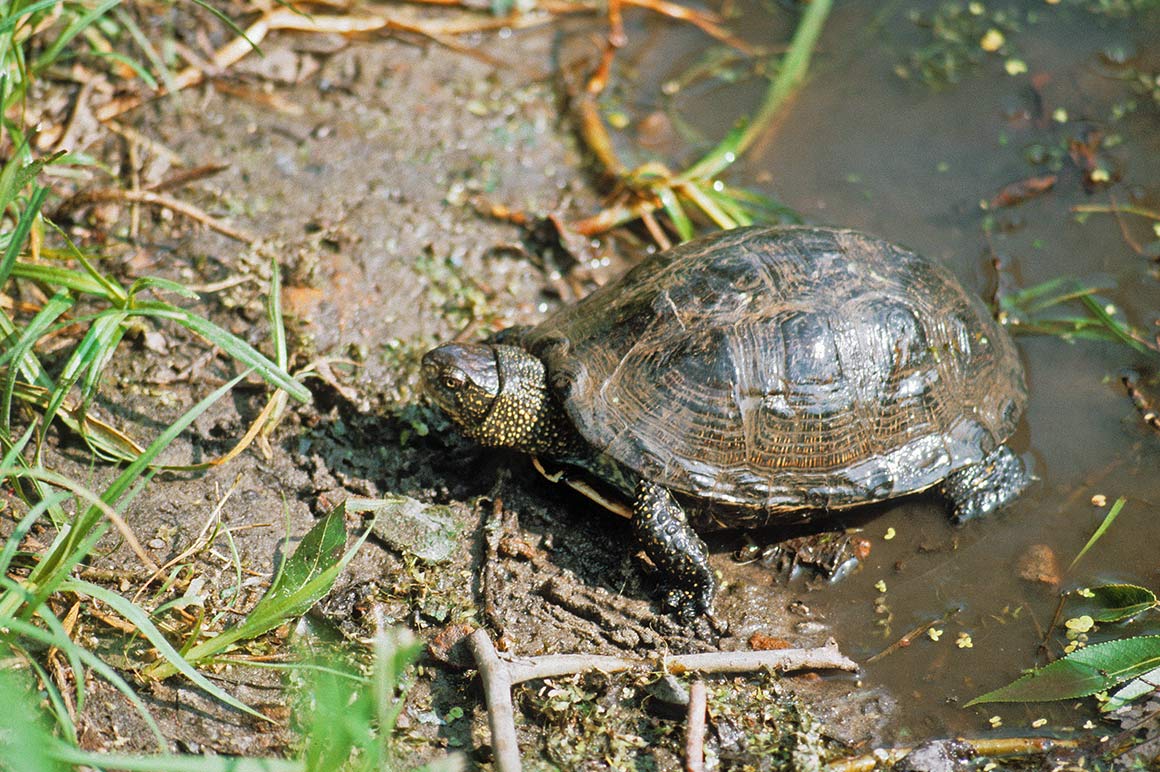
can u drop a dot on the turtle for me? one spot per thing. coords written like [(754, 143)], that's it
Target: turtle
[(751, 376)]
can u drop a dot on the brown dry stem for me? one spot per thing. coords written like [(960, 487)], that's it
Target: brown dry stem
[(1141, 402), (500, 674), (1000, 746), (153, 198), (695, 727)]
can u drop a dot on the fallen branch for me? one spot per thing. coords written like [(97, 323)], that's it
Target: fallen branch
[(1000, 746), (695, 728), (499, 675), (497, 686)]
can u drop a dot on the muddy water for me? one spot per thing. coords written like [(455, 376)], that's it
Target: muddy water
[(861, 147)]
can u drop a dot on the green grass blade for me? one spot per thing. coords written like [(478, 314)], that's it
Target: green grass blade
[(147, 48), (113, 291), (12, 543), (274, 314), (75, 28), (231, 344), (11, 21), (790, 76), (1109, 518), (25, 629), (137, 616), (129, 62), (22, 360), (92, 350), (56, 702), (233, 25), (14, 459), (1119, 329), (96, 369), (60, 277), (20, 234), (156, 283), (676, 212)]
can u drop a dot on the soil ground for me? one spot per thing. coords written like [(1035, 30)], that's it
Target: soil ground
[(360, 184)]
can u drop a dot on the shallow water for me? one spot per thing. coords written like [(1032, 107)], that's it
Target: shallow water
[(861, 147)]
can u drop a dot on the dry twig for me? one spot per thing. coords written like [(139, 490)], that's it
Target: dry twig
[(500, 674), (1141, 402), (157, 199), (695, 727), (999, 746)]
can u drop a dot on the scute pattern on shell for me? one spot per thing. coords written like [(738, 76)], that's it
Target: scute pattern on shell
[(786, 368)]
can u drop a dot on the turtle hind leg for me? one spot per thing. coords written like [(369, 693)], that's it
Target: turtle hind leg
[(677, 551), (990, 484)]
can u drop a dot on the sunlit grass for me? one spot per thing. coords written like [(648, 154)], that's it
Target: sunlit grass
[(61, 296)]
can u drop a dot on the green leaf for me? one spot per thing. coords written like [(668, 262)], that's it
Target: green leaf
[(1114, 602), (306, 577), (1083, 672), (319, 551), (1109, 518), (1136, 688)]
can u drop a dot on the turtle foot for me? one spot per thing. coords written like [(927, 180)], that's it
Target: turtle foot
[(991, 484), (694, 609)]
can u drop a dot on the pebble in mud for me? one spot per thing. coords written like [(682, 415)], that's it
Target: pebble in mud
[(1038, 563)]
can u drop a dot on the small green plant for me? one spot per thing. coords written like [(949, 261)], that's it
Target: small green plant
[(1071, 309), (348, 721), (306, 576), (1091, 669)]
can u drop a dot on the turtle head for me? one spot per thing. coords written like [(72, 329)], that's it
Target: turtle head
[(464, 381), (498, 395)]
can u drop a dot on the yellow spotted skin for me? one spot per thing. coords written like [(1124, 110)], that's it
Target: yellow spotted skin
[(752, 376), (499, 395), (676, 550), (523, 414)]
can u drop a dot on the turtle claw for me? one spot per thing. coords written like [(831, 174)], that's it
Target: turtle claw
[(694, 609)]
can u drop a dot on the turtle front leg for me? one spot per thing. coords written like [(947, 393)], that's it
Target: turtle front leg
[(678, 552), (991, 484)]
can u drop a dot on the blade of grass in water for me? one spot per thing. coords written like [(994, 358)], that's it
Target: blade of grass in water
[(1109, 518), (790, 76)]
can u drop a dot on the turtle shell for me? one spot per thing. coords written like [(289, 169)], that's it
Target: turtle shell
[(785, 368)]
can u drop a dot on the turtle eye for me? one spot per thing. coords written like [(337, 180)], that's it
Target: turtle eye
[(452, 381)]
